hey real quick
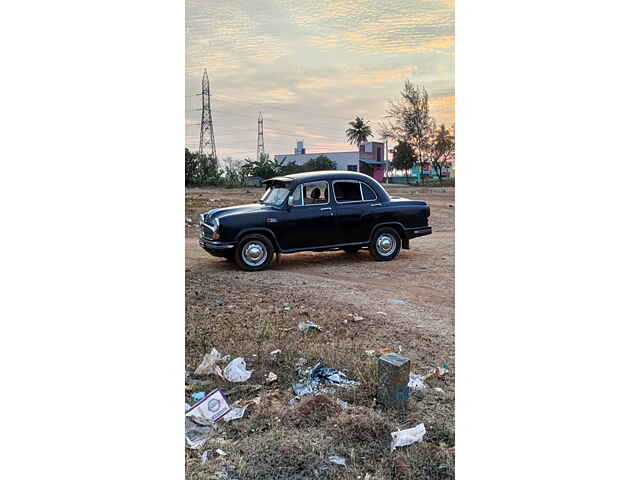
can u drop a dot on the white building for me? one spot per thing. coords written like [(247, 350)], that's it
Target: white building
[(369, 159)]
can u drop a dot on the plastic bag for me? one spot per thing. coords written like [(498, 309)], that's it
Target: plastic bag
[(208, 364), (408, 436), (236, 370)]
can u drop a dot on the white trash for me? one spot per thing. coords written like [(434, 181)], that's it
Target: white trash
[(416, 382), (237, 371), (338, 460), (208, 364), (235, 414), (406, 437), (212, 407)]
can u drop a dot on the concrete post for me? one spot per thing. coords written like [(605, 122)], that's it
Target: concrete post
[(393, 377)]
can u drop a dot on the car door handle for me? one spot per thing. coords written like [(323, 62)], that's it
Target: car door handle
[(325, 208), (376, 204)]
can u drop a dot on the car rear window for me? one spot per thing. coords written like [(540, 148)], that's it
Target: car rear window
[(347, 191)]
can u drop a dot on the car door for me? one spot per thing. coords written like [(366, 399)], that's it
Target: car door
[(353, 200), (309, 221)]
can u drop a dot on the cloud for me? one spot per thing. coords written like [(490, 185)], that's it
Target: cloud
[(311, 65)]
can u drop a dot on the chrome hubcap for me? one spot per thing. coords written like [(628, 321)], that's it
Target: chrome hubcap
[(254, 253), (386, 244)]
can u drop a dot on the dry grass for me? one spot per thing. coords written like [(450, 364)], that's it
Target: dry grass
[(276, 440)]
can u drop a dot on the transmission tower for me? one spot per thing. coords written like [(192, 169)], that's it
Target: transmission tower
[(260, 138), (207, 140)]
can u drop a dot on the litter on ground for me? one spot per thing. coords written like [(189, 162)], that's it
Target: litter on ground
[(402, 438), (272, 377), (196, 432), (318, 379), (235, 414), (236, 370), (208, 363), (304, 325), (212, 406), (338, 460), (197, 396), (416, 382), (396, 301)]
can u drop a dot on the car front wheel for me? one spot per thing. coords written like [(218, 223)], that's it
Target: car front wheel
[(254, 252), (385, 244)]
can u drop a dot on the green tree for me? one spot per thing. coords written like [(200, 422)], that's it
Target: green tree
[(190, 167), (264, 167), (206, 171), (443, 150), (409, 119), (319, 163), (358, 132), (404, 158)]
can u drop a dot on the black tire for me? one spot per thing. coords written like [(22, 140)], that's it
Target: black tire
[(351, 249), (385, 244), (263, 258)]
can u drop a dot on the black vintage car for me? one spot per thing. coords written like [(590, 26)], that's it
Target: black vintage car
[(316, 211)]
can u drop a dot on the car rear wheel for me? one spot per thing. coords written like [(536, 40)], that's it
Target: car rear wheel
[(254, 252), (385, 244)]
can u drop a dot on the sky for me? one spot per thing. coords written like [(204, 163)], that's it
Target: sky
[(311, 66)]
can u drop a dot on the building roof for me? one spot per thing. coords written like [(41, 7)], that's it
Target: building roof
[(307, 156)]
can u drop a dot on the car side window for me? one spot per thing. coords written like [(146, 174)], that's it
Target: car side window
[(296, 196), (367, 192), (315, 193), (347, 191)]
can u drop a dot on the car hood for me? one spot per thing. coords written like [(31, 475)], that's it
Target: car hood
[(238, 209)]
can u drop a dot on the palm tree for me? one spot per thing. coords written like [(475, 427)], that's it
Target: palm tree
[(359, 131)]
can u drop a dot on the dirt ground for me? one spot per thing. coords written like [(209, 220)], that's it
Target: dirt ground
[(406, 305)]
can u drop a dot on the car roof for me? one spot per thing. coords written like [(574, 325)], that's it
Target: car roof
[(321, 175)]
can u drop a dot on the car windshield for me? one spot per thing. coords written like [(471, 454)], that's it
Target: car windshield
[(274, 196)]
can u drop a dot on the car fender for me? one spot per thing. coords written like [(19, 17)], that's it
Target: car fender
[(263, 230), (399, 226)]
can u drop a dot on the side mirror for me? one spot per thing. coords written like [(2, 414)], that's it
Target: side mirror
[(290, 201)]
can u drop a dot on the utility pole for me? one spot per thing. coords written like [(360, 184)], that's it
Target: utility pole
[(260, 149), (207, 139)]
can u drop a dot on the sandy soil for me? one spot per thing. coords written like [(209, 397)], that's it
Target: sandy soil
[(422, 277)]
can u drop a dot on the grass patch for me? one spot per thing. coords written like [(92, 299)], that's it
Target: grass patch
[(276, 440)]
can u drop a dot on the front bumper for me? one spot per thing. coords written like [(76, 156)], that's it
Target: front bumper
[(214, 247)]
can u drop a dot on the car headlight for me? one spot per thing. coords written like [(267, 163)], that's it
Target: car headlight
[(215, 226)]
